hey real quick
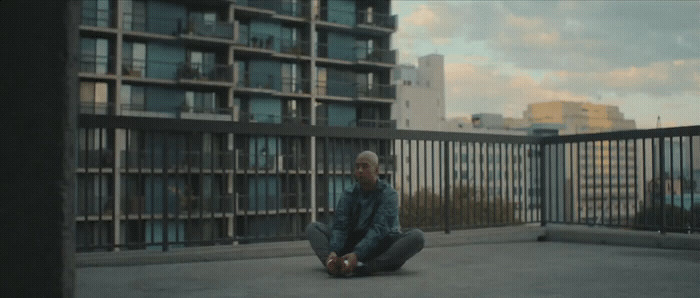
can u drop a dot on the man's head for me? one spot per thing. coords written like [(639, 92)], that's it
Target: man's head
[(367, 169)]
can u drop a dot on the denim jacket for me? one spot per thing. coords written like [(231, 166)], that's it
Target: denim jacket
[(364, 218)]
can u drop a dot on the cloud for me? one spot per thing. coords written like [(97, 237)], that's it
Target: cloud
[(478, 88), (658, 79), (424, 16)]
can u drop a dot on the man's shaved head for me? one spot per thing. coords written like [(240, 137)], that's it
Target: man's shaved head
[(371, 158)]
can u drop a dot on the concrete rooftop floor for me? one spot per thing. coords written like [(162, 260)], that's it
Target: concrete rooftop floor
[(481, 268)]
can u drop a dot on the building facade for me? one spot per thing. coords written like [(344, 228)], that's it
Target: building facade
[(317, 62)]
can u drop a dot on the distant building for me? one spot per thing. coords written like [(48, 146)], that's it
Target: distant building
[(579, 117), (420, 94)]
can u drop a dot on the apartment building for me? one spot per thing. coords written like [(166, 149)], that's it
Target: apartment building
[(317, 62)]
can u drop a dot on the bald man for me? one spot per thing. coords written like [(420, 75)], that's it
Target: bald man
[(365, 235)]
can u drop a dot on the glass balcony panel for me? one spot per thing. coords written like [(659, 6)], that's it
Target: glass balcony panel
[(211, 29)]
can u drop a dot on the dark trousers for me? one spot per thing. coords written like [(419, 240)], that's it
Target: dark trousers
[(393, 251)]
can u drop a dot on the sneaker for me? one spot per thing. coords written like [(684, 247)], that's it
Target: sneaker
[(361, 269), (333, 266)]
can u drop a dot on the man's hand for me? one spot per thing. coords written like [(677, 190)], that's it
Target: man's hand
[(349, 262), (333, 264)]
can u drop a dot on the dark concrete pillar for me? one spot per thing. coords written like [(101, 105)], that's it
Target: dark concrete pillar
[(39, 93)]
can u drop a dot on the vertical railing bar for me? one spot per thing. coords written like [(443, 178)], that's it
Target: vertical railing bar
[(636, 185), (152, 136), (662, 184), (432, 184), (527, 185), (619, 183), (212, 184), (556, 184), (164, 212), (446, 178), (627, 183), (602, 181), (425, 181), (654, 185), (481, 185), (585, 177), (571, 183), (644, 180), (595, 178), (541, 176), (680, 179), (400, 177), (177, 187), (86, 192), (200, 180), (692, 186), (410, 182), (610, 189), (671, 178), (245, 154), (234, 190), (256, 177)]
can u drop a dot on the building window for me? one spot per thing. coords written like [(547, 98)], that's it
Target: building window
[(134, 15), (96, 13), (94, 55), (93, 98), (134, 59)]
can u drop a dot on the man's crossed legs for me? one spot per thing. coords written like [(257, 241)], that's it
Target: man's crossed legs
[(393, 253)]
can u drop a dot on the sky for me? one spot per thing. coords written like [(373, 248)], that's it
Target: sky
[(642, 56)]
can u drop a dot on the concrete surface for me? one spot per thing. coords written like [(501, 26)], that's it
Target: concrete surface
[(507, 269), (293, 248)]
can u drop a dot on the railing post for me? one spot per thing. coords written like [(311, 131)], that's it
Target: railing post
[(662, 185), (541, 192), (446, 178)]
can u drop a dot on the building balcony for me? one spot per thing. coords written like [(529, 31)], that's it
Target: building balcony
[(270, 118), (375, 56), (208, 113), (258, 82), (295, 87), (376, 21), (200, 28), (140, 110), (96, 108), (336, 89), (259, 43), (197, 72), (379, 91), (294, 47), (96, 64)]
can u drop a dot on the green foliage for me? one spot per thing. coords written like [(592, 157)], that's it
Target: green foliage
[(468, 207)]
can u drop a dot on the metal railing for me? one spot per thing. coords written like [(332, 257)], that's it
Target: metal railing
[(96, 108), (296, 85), (377, 19), (294, 47), (263, 183), (99, 64), (209, 29), (205, 72), (376, 91), (375, 55), (258, 80)]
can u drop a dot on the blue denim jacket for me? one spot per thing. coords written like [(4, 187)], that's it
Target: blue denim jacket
[(357, 223)]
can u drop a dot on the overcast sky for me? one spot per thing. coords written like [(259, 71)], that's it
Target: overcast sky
[(643, 56)]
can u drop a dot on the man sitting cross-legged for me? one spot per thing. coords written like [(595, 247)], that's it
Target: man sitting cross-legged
[(365, 234)]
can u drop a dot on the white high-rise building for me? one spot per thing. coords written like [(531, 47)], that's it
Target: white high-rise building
[(420, 94)]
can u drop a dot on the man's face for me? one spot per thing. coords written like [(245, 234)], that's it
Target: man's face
[(365, 172)]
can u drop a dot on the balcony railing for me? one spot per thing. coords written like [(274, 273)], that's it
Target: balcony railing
[(294, 47), (370, 18), (98, 64), (96, 108), (204, 72), (134, 67), (209, 29), (444, 180), (258, 80), (297, 86), (376, 91), (375, 55), (336, 88)]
